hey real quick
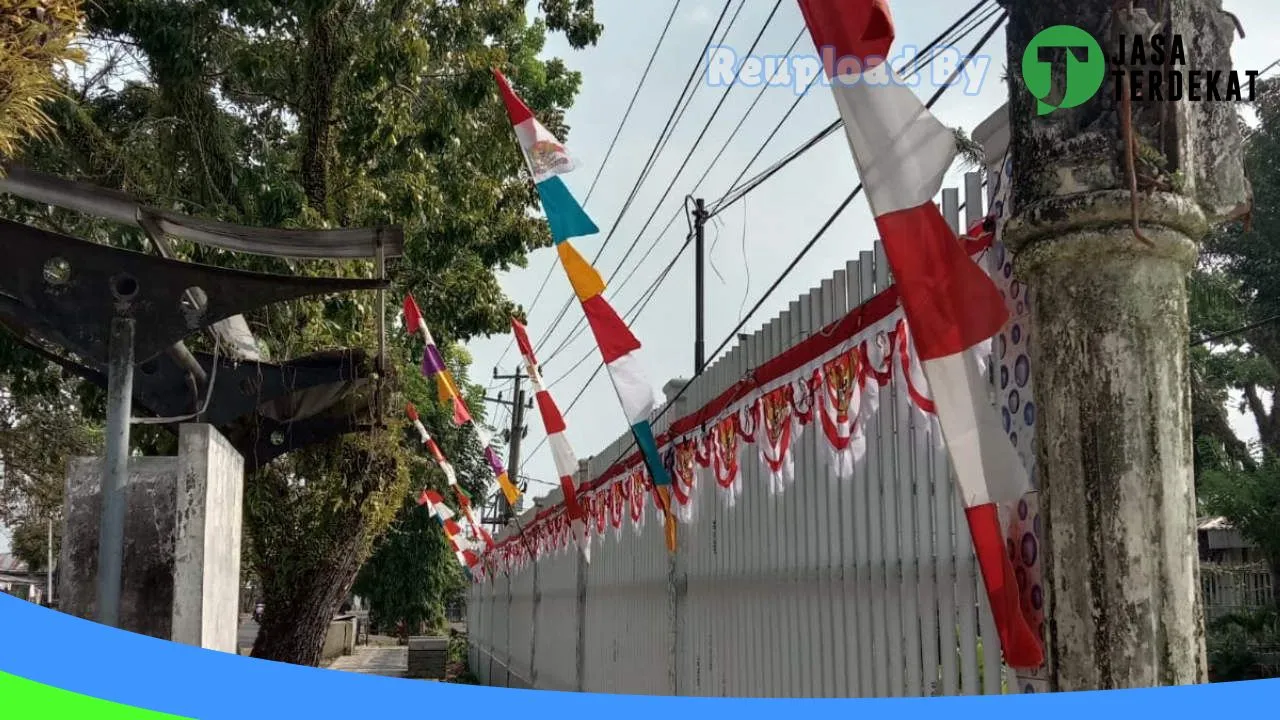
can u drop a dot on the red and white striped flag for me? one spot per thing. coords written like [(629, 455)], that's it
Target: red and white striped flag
[(902, 153), (561, 451)]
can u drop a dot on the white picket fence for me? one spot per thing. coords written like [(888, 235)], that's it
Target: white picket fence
[(866, 588)]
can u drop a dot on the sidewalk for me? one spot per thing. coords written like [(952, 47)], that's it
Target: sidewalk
[(366, 660)]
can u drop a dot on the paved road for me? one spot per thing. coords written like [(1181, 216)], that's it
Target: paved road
[(385, 661), (248, 633)]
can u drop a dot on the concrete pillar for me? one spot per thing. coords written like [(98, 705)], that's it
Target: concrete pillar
[(181, 574), (580, 655), (1109, 342), (533, 626), (210, 498), (677, 575), (146, 583)]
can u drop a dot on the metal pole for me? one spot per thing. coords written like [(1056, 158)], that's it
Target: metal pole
[(48, 567), (115, 470), (699, 286), (517, 427), (381, 254), (580, 616)]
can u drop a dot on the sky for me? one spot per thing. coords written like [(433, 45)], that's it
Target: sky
[(751, 242)]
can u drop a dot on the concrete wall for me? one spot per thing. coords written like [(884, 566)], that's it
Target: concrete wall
[(340, 640), (146, 587), (181, 574)]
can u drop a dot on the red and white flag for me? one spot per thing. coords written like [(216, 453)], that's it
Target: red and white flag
[(902, 153), (566, 462)]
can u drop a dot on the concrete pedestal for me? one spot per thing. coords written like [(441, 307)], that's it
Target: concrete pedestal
[(210, 499), (181, 574)]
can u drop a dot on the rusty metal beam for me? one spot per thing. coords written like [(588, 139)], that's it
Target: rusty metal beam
[(274, 242)]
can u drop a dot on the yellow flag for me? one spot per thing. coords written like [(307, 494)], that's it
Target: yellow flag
[(586, 281), (509, 489)]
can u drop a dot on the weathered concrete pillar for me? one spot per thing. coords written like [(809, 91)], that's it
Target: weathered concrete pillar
[(580, 654), (1109, 341), (146, 582), (210, 498), (181, 574)]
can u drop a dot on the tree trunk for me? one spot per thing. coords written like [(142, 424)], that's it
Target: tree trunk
[(296, 619), (316, 111)]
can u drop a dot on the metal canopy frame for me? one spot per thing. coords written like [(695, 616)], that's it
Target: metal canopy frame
[(70, 289), (119, 309), (241, 395), (125, 209)]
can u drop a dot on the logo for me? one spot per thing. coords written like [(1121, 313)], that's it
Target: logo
[(1145, 68), (1085, 71)]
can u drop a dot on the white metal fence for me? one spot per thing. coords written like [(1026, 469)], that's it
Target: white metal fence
[(862, 588)]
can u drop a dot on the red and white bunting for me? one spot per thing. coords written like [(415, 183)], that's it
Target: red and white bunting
[(830, 384)]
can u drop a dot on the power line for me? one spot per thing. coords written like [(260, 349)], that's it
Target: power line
[(723, 148), (910, 69), (810, 244), (920, 61), (688, 156), (830, 221), (1231, 333), (648, 66), (738, 192), (621, 124), (648, 165)]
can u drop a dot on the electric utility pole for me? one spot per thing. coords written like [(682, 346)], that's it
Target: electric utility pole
[(518, 405), (699, 286)]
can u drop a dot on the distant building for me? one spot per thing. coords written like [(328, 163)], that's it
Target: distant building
[(17, 579), (1221, 543)]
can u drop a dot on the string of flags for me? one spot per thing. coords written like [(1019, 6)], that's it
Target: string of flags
[(548, 159), (929, 336), (463, 548), (561, 452), (460, 493), (433, 368), (902, 153), (931, 331), (467, 546), (830, 383)]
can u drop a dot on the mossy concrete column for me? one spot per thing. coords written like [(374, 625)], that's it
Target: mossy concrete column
[(1109, 337)]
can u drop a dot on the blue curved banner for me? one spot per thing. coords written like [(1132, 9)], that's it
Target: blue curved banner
[(44, 651)]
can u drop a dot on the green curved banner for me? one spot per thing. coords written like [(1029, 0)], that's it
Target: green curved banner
[(21, 698)]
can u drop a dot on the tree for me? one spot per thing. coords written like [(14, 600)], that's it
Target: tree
[(412, 573), (37, 445), (1250, 499), (1235, 302), (36, 37), (404, 581), (322, 113)]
